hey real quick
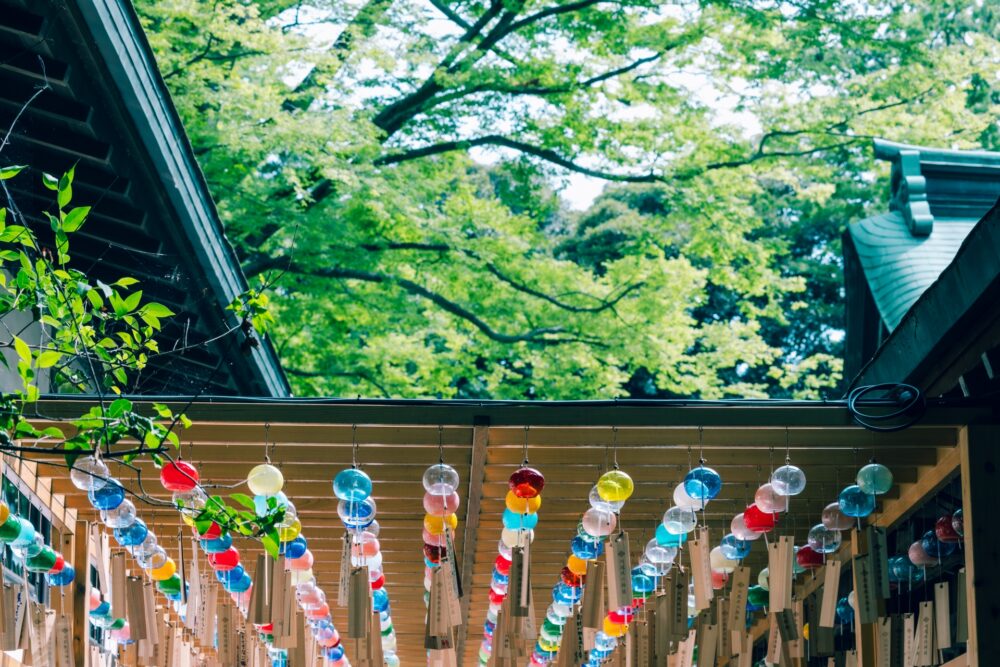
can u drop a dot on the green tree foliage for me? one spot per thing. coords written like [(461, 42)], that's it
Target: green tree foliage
[(345, 144), (59, 329)]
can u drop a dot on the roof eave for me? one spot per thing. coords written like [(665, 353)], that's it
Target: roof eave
[(929, 346), (119, 38)]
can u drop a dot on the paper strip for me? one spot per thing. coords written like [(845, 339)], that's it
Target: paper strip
[(701, 570), (831, 584), (619, 571), (942, 607)]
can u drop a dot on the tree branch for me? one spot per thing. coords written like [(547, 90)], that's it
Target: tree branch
[(546, 154), (552, 11), (334, 373), (757, 156), (538, 336), (530, 89), (362, 26), (604, 304)]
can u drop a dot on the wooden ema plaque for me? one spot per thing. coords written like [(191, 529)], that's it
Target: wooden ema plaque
[(593, 607), (701, 569), (737, 608), (619, 572)]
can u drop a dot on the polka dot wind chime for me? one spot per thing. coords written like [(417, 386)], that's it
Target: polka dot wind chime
[(356, 509), (520, 517)]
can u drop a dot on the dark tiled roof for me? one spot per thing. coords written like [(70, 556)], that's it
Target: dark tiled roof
[(109, 112), (937, 196)]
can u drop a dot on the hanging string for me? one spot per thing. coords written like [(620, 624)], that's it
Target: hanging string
[(440, 443), (354, 445), (701, 446), (267, 442), (855, 455), (614, 447), (524, 453), (788, 454)]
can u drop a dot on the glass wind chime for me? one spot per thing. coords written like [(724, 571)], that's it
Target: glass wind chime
[(441, 503), (441, 577), (356, 509), (606, 499), (520, 517)]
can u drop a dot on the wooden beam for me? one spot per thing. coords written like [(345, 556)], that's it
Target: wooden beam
[(477, 471), (623, 413), (930, 480), (980, 460)]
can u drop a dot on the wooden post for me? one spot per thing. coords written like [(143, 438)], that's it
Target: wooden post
[(980, 499), (81, 593)]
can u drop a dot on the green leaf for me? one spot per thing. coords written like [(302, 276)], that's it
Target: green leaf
[(132, 301), (65, 189), (75, 218), (119, 407), (125, 282), (243, 499), (53, 432), (50, 181), (117, 304), (270, 542), (22, 349), (49, 358), (156, 310), (26, 430), (74, 448), (11, 171), (185, 422), (203, 524), (95, 299), (163, 411)]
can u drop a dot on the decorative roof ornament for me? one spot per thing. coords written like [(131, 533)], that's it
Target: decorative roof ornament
[(909, 193)]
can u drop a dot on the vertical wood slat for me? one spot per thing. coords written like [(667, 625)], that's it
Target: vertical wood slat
[(477, 475), (980, 466), (81, 593)]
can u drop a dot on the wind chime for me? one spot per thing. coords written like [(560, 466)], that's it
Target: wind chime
[(509, 627), (442, 584), (362, 578)]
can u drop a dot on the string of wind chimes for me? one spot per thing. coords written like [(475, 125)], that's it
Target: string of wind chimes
[(510, 628), (442, 582), (371, 638)]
